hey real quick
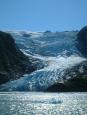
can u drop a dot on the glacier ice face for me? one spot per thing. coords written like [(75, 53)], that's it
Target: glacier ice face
[(56, 50)]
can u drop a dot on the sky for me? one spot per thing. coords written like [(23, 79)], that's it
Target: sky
[(42, 15)]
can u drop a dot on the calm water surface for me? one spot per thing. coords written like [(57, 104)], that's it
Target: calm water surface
[(34, 103)]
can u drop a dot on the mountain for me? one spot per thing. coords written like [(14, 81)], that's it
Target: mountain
[(13, 63), (59, 60), (82, 41)]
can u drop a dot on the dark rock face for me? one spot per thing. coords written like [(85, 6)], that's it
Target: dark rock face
[(72, 85), (82, 41), (13, 63)]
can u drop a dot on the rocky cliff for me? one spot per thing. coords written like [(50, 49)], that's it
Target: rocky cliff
[(82, 41), (13, 63)]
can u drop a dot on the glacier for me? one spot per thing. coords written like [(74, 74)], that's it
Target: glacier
[(56, 51)]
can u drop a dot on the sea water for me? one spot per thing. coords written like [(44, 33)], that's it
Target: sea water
[(40, 103)]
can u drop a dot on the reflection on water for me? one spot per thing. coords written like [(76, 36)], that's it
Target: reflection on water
[(43, 103)]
